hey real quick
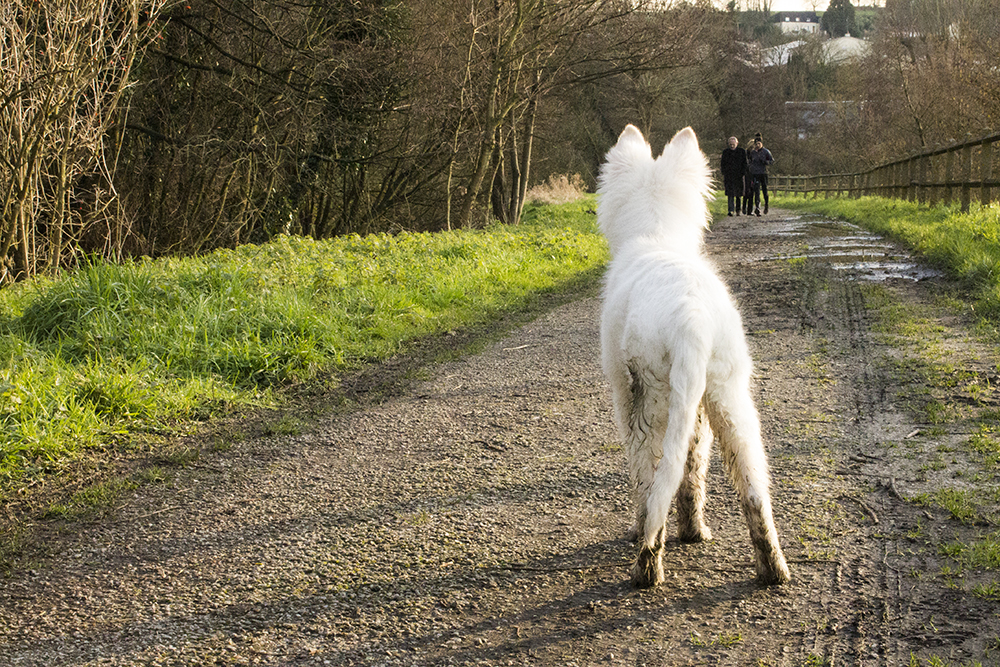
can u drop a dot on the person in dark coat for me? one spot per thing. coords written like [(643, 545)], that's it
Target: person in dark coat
[(759, 159), (734, 166), (748, 184)]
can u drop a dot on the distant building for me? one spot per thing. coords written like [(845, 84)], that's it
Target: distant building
[(807, 22), (807, 117), (845, 49), (779, 55)]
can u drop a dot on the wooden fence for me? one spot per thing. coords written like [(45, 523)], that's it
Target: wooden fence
[(965, 170)]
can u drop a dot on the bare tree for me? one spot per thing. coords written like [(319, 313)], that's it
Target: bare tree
[(930, 78), (531, 50), (261, 117), (64, 71)]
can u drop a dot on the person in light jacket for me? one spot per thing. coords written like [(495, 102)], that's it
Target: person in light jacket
[(734, 166), (759, 159)]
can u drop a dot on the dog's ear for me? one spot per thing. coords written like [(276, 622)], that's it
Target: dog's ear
[(632, 143), (683, 162), (631, 134), (685, 141), (630, 153)]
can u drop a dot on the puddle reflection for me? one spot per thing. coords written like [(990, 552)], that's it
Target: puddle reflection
[(852, 251)]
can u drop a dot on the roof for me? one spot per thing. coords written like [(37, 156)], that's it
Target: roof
[(845, 48), (797, 17)]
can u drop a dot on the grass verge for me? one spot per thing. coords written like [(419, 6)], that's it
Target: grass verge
[(110, 352)]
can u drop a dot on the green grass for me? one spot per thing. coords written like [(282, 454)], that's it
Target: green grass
[(109, 351), (101, 495), (958, 502), (981, 552)]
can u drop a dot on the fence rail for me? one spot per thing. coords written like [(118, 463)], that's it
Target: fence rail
[(965, 170)]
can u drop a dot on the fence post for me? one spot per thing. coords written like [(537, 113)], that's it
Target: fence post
[(925, 169), (949, 170), (966, 177), (985, 171), (911, 190)]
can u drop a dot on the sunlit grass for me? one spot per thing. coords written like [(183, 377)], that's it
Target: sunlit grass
[(109, 350), (982, 552), (956, 501)]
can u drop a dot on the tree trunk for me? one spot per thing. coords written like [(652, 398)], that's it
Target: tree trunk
[(520, 185), (498, 189)]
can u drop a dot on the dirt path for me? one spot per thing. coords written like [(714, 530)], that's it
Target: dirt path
[(478, 517)]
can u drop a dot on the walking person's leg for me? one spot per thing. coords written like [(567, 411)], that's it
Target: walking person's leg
[(763, 187)]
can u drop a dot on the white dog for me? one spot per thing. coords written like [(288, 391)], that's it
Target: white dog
[(674, 352)]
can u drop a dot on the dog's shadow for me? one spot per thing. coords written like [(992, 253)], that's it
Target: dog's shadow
[(598, 597)]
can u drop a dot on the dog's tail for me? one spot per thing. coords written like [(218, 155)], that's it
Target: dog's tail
[(686, 389)]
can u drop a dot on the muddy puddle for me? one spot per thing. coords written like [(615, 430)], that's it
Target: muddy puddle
[(850, 250)]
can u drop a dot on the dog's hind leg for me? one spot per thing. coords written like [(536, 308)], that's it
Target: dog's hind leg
[(634, 393), (690, 499), (734, 419), (687, 385)]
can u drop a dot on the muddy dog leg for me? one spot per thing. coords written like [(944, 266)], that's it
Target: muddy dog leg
[(687, 386), (734, 420), (637, 428), (690, 499), (648, 569)]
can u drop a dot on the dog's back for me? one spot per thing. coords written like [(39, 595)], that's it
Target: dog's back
[(664, 302)]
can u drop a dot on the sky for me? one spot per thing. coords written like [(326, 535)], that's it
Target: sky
[(796, 6), (807, 6)]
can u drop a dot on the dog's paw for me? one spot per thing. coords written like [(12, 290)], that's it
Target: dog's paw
[(648, 569), (773, 573), (694, 534)]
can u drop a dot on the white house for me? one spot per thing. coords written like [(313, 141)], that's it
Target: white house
[(807, 22)]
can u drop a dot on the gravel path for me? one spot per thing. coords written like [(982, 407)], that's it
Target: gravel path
[(478, 516)]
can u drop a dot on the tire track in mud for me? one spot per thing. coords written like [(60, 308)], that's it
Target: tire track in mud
[(869, 635), (871, 410), (898, 604), (794, 312), (832, 318)]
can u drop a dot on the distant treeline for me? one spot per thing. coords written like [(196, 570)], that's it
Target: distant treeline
[(151, 127)]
